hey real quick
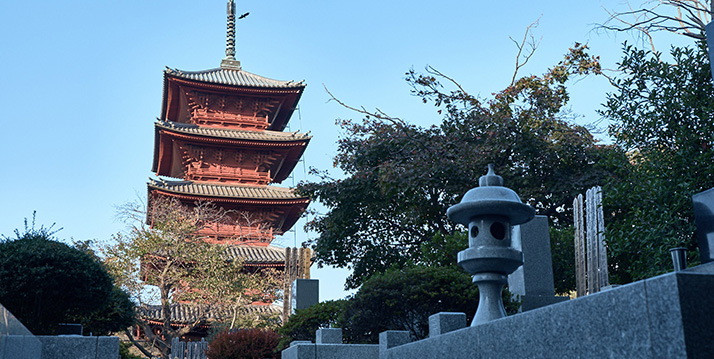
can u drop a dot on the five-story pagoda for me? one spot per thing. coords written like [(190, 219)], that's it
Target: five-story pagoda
[(221, 138)]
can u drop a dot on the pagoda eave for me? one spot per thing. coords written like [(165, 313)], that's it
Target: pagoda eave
[(289, 150), (288, 97), (248, 201)]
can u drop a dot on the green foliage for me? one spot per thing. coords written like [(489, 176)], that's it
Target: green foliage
[(441, 250), (401, 178), (562, 248), (124, 352), (661, 119), (171, 257), (244, 344), (305, 322), (404, 299), (44, 282), (116, 314)]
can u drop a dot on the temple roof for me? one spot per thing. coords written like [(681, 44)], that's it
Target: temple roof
[(265, 135), (257, 255), (187, 313), (221, 190), (232, 77)]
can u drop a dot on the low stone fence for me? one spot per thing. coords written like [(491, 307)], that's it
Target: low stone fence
[(668, 316)]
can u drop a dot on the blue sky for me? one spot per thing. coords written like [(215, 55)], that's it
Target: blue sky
[(81, 82)]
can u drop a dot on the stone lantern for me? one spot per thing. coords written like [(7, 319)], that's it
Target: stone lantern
[(490, 211)]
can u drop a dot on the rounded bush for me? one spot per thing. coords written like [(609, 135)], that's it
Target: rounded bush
[(244, 344)]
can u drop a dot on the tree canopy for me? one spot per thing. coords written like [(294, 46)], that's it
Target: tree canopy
[(170, 258), (44, 282), (401, 178), (662, 121), (399, 299)]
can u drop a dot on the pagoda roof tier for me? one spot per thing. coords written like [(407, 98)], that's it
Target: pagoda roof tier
[(183, 314), (232, 77), (285, 149), (269, 256), (230, 193), (285, 204), (280, 98)]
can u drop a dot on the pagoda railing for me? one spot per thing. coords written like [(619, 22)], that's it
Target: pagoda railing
[(202, 116), (229, 174), (237, 233)]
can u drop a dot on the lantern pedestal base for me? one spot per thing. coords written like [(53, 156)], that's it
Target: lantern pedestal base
[(490, 303)]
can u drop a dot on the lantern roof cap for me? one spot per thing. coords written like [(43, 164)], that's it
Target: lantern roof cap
[(491, 198)]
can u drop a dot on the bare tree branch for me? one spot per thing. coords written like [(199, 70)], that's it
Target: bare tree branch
[(684, 17), (532, 44), (379, 114)]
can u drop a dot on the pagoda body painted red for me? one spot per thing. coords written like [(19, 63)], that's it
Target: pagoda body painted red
[(221, 138)]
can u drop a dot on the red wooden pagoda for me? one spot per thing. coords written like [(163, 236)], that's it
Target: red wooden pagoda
[(221, 139)]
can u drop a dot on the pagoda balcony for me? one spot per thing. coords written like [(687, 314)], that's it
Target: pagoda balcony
[(202, 116), (237, 234), (228, 174)]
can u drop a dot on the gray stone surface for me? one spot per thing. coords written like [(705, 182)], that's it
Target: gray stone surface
[(444, 322), (535, 276), (457, 344), (669, 316), (20, 347), (704, 204), (16, 341), (533, 281), (530, 302), (696, 298), (306, 293), (299, 350), (328, 336), (392, 338), (78, 347), (331, 351), (296, 342), (107, 347)]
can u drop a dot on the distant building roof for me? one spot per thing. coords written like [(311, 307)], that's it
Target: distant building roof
[(266, 135), (221, 190), (233, 77)]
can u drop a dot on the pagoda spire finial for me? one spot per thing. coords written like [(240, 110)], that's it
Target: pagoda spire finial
[(230, 62)]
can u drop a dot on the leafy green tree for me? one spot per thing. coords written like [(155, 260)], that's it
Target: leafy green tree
[(44, 282), (305, 322), (401, 178), (662, 122), (169, 257), (404, 299)]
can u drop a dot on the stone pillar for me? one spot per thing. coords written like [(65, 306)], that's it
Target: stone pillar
[(328, 336), (533, 281), (444, 322), (392, 338)]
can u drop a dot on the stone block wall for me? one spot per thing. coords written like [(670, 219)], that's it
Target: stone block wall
[(669, 316)]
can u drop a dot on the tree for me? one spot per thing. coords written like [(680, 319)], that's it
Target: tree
[(171, 257), (661, 121), (400, 178), (305, 322), (404, 299), (44, 282)]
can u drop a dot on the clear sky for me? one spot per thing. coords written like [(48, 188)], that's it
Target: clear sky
[(81, 82)]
